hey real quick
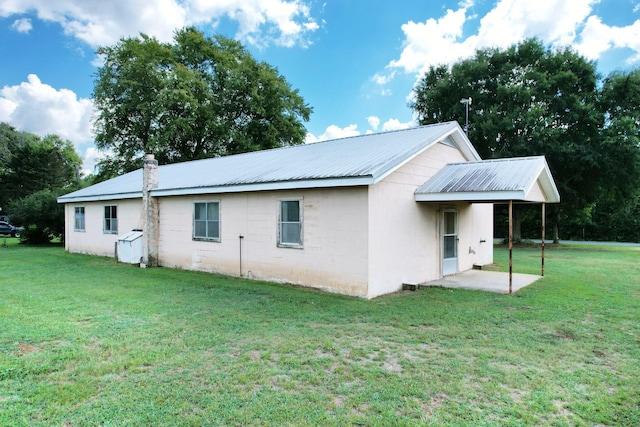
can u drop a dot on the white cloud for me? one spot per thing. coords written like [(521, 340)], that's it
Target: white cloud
[(91, 157), (22, 25), (433, 42), (38, 108), (383, 79), (556, 22), (597, 38), (285, 22), (395, 124), (333, 132), (374, 122), (104, 22)]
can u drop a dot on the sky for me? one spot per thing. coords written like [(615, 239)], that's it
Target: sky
[(355, 62)]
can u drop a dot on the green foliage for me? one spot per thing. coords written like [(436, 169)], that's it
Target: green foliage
[(33, 171), (87, 341), (32, 164), (197, 97), (533, 100), (40, 215), (616, 216)]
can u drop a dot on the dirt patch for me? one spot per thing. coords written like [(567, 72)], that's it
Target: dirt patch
[(26, 348)]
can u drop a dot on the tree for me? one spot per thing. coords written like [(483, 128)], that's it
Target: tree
[(528, 100), (11, 140), (33, 171), (197, 97), (32, 164), (616, 214), (41, 216)]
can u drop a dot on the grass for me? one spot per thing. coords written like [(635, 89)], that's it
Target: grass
[(85, 341)]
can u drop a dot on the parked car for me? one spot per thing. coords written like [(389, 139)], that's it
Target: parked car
[(9, 230)]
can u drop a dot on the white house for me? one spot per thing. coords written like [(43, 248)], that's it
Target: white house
[(357, 216)]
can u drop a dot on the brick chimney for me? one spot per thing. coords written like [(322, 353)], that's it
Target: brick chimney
[(150, 212)]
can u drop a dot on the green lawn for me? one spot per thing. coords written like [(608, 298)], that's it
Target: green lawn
[(85, 341)]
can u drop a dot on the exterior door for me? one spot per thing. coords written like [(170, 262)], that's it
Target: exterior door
[(449, 242)]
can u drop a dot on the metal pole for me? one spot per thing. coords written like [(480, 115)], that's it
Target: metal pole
[(466, 122), (543, 233), (241, 237), (466, 102), (510, 246)]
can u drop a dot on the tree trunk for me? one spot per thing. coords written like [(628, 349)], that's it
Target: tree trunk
[(556, 234), (517, 232)]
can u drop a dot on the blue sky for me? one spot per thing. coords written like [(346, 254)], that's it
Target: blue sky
[(354, 61)]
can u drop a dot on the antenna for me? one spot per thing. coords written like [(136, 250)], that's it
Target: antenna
[(466, 102)]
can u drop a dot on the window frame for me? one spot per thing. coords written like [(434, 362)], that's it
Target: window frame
[(300, 243), (113, 219), (79, 216), (207, 221)]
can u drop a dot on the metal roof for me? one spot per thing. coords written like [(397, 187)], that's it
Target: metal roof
[(359, 160), (520, 179)]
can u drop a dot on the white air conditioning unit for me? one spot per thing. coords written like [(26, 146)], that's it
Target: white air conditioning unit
[(130, 247)]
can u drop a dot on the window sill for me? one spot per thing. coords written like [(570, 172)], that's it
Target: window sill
[(206, 239), (290, 246)]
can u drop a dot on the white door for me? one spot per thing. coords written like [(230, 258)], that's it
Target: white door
[(449, 242)]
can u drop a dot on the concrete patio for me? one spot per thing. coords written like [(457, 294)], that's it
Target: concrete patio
[(482, 280)]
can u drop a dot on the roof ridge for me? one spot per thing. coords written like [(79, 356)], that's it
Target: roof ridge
[(353, 137), (503, 159), (383, 132)]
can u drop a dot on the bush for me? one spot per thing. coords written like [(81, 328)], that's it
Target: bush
[(40, 215)]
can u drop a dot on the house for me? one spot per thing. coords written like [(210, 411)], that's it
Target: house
[(358, 216)]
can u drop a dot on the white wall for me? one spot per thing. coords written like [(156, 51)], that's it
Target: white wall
[(475, 223), (404, 236), (334, 255), (93, 240)]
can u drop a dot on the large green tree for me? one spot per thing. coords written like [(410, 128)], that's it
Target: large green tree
[(33, 171), (194, 98), (616, 214), (30, 164), (530, 99)]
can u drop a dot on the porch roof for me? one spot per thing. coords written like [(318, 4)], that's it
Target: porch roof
[(524, 179)]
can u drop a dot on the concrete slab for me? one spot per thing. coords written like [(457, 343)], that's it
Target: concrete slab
[(482, 280)]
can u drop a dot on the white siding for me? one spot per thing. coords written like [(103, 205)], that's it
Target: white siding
[(404, 235), (333, 257), (93, 240)]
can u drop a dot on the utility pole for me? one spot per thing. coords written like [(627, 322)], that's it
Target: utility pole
[(466, 102)]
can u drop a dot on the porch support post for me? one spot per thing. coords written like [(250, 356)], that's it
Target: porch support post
[(543, 233), (510, 245)]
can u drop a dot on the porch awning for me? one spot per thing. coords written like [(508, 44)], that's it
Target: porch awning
[(523, 179)]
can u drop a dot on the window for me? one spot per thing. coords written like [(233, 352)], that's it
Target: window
[(290, 232), (111, 219), (206, 221), (78, 223)]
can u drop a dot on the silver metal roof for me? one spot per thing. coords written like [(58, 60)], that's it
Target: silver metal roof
[(359, 160), (492, 181)]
